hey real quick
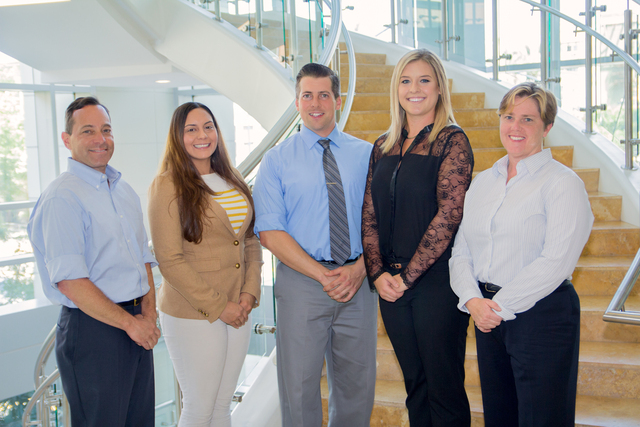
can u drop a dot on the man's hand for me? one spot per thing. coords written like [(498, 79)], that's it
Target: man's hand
[(482, 311), (247, 301), (143, 331), (388, 287), (346, 281), (234, 315)]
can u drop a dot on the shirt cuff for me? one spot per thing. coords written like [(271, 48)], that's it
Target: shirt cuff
[(67, 267), (270, 221), (465, 297), (506, 314)]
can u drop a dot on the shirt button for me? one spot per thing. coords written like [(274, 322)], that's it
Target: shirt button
[(236, 242), (121, 216), (237, 265)]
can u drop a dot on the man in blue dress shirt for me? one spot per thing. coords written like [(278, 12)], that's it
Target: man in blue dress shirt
[(324, 310), (93, 257)]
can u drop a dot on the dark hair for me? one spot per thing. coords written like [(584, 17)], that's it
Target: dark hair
[(191, 190), (79, 104), (317, 71)]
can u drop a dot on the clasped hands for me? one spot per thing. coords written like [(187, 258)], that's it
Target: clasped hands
[(237, 314), (344, 282), (389, 287), (482, 311)]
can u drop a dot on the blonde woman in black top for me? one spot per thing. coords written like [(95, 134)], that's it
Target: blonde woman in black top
[(419, 172)]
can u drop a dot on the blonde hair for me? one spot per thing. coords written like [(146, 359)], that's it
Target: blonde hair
[(444, 112), (547, 104)]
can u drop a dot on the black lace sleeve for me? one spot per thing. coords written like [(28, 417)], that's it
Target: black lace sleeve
[(454, 177), (370, 239)]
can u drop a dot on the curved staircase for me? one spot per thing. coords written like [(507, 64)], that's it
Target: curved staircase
[(609, 373)]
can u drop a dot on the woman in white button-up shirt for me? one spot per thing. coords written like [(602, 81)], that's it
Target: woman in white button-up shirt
[(526, 221)]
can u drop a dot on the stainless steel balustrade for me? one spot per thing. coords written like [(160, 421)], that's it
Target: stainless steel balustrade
[(283, 127)]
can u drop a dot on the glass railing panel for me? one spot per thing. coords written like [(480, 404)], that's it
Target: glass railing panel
[(466, 26), (407, 20), (165, 386)]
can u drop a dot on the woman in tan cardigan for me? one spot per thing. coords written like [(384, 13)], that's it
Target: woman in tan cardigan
[(201, 217)]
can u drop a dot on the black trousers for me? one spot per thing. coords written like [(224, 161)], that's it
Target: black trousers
[(529, 366), (108, 378), (428, 334)]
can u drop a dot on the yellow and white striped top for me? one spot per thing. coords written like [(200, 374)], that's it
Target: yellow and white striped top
[(229, 198)]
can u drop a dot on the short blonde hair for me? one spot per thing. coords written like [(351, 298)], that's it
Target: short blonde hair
[(546, 101), (444, 111)]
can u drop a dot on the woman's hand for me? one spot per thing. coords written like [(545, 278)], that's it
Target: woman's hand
[(388, 287), (401, 286), (247, 301), (234, 315), (482, 311)]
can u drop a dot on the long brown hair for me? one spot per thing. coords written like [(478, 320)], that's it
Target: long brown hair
[(444, 111), (191, 190)]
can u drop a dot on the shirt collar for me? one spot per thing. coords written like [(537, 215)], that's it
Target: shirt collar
[(92, 176), (310, 138), (531, 164)]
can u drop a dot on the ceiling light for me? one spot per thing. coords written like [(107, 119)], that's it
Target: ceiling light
[(27, 2), (163, 81)]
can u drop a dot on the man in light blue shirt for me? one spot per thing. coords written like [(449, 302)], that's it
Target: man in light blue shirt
[(93, 257), (324, 310)]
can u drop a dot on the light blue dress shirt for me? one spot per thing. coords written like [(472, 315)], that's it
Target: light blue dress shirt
[(87, 224), (290, 192)]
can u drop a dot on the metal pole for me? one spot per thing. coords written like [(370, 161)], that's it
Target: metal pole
[(628, 96), (259, 39), (415, 23), (445, 36), (494, 23), (588, 110), (544, 41), (217, 10), (393, 21), (293, 24)]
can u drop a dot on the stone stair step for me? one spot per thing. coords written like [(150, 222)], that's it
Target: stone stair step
[(370, 102), (388, 367), (365, 58), (366, 135), (606, 206), (484, 158), (593, 328), (612, 238), (601, 275), (368, 85), (590, 177), (476, 118), (364, 120), (368, 70), (467, 100), (488, 137)]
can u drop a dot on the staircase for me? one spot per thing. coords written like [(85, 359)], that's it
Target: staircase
[(609, 372)]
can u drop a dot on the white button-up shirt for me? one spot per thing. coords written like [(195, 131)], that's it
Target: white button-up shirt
[(525, 235)]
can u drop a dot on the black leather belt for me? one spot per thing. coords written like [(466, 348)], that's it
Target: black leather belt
[(335, 263), (133, 302), (490, 287)]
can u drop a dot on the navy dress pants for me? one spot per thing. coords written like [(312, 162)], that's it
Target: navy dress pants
[(529, 365), (428, 334), (108, 378)]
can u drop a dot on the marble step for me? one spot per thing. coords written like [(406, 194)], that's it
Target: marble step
[(368, 120), (365, 58), (590, 177), (480, 117), (464, 101), (484, 158), (601, 275), (591, 411), (606, 206), (593, 328), (612, 238), (380, 101), (367, 70), (483, 137), (366, 135)]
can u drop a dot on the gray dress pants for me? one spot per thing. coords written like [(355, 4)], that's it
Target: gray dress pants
[(312, 327)]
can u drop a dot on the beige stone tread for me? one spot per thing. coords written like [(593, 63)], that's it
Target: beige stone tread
[(384, 343), (605, 262), (590, 304), (613, 225), (598, 411), (609, 354)]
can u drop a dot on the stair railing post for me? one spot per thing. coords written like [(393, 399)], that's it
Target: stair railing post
[(293, 24), (445, 31), (494, 32), (259, 39), (392, 26), (544, 41), (588, 85), (628, 95), (217, 10)]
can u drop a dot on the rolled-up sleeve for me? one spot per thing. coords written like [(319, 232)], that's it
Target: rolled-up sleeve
[(268, 197)]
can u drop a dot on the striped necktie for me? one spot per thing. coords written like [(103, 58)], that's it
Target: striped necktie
[(338, 223)]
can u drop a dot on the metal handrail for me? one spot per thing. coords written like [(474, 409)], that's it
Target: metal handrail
[(616, 312), (41, 390)]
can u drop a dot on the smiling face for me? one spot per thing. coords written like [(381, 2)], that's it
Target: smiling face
[(200, 139), (317, 105), (522, 130), (90, 140), (418, 91)]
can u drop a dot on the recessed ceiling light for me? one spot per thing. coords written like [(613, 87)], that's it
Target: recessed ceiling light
[(27, 2), (163, 81)]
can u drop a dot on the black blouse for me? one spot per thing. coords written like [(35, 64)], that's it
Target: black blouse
[(414, 221)]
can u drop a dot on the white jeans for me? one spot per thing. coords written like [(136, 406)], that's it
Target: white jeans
[(207, 359)]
